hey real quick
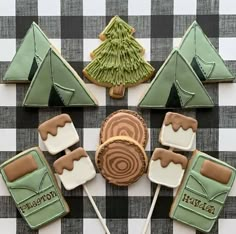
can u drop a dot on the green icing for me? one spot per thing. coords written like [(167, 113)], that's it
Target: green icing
[(184, 95), (200, 199), (117, 27), (195, 44), (118, 60), (37, 196), (65, 93), (32, 50), (68, 86), (176, 70)]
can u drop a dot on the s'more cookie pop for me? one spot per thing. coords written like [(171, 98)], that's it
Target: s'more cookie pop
[(75, 168), (178, 131), (58, 133), (166, 167)]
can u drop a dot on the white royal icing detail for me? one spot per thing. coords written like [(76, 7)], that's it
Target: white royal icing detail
[(82, 172), (181, 139), (66, 137), (169, 176)]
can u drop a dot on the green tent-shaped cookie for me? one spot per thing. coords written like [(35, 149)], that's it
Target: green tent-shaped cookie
[(203, 57), (57, 84), (28, 57), (176, 85)]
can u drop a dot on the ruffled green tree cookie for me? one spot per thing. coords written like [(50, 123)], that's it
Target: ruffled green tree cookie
[(117, 62)]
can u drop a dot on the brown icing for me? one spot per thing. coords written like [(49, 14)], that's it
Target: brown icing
[(124, 123), (20, 167), (216, 171), (67, 161), (51, 126), (167, 156), (178, 120), (121, 160), (117, 91)]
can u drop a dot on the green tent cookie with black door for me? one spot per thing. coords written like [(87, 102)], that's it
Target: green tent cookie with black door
[(176, 85), (57, 84), (28, 57), (203, 57), (118, 63)]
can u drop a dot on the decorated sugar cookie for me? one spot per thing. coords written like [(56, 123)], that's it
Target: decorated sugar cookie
[(56, 83), (124, 123), (58, 133), (121, 160), (28, 57), (203, 56), (178, 131), (202, 194), (34, 188), (117, 63), (176, 85), (74, 168), (167, 168)]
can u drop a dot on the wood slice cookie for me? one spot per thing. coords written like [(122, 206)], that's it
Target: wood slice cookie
[(124, 123), (121, 160)]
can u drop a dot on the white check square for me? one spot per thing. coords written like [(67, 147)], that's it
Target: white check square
[(7, 95), (91, 138), (49, 8), (227, 7), (185, 7), (139, 7), (7, 49), (7, 8), (8, 139), (227, 48), (91, 8)]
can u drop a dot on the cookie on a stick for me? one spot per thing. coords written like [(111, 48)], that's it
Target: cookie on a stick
[(75, 167), (166, 167)]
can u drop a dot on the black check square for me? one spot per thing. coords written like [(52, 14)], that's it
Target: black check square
[(23, 23), (117, 207), (209, 24), (71, 27), (162, 26)]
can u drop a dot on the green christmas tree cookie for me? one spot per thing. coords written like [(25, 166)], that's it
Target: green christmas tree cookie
[(117, 62), (57, 84), (203, 57), (176, 85), (28, 57)]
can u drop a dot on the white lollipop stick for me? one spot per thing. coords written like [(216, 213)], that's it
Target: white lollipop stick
[(67, 151), (153, 204), (151, 209), (96, 209)]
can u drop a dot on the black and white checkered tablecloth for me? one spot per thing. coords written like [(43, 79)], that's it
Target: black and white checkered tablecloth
[(73, 26)]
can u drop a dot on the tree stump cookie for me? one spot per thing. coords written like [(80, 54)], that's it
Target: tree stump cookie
[(124, 123), (121, 160)]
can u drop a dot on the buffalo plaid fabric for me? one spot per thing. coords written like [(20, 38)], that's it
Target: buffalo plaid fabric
[(73, 26)]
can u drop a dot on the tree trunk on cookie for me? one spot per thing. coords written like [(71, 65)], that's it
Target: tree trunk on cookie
[(117, 63)]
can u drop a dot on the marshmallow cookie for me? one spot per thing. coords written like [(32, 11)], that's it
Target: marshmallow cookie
[(34, 188), (203, 192), (121, 160), (58, 133), (124, 123), (74, 168), (178, 131), (167, 168)]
